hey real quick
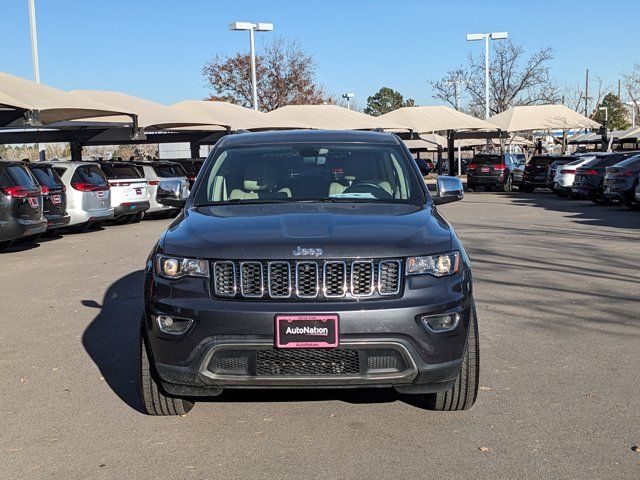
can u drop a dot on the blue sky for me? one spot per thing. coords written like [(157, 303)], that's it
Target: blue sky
[(156, 49)]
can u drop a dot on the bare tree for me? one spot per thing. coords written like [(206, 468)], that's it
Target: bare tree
[(514, 79), (285, 76), (632, 86)]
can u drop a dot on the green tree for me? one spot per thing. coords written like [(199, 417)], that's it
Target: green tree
[(616, 113), (386, 100)]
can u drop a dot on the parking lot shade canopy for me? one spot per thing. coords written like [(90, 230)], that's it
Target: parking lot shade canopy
[(332, 117), (151, 115), (541, 117), (236, 116), (435, 119), (631, 134), (46, 104), (427, 141)]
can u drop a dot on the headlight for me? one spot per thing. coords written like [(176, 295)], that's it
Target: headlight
[(436, 265), (174, 267)]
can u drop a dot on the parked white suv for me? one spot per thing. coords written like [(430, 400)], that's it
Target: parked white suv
[(88, 193), (156, 171), (566, 174), (129, 192)]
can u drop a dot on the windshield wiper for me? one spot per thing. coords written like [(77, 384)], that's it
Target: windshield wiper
[(244, 201)]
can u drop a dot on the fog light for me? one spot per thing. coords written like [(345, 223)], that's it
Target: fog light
[(441, 323), (172, 325)]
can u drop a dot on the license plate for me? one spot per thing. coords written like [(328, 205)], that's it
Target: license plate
[(484, 169), (56, 199), (307, 331), (33, 201)]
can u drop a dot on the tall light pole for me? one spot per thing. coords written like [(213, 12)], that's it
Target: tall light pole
[(348, 97), (472, 37), (34, 41), (252, 27), (456, 88)]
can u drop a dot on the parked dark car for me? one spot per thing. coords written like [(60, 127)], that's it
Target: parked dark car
[(493, 171), (312, 259), (620, 182), (425, 166), (192, 166), (589, 181), (553, 168), (536, 172), (54, 195), (21, 213)]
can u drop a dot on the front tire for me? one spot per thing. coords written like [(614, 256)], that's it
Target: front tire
[(464, 392), (155, 401)]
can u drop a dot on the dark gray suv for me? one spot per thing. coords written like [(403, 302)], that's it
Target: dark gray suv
[(309, 259)]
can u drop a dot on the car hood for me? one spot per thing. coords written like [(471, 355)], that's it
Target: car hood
[(274, 231)]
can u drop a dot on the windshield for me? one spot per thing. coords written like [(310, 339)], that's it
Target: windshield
[(310, 172)]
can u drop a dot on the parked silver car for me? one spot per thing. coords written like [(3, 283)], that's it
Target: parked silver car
[(155, 172), (129, 197), (88, 192)]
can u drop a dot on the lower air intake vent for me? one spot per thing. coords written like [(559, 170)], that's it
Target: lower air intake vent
[(337, 361)]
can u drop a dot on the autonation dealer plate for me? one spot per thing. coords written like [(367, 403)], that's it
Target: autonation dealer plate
[(307, 331)]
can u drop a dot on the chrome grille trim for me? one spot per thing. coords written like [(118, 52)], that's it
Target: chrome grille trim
[(270, 282), (234, 282), (398, 265), (317, 282), (355, 290), (345, 287), (244, 265)]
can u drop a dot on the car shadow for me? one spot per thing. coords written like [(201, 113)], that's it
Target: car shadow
[(580, 211), (111, 340)]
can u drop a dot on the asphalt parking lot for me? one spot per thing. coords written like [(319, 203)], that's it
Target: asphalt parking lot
[(558, 291)]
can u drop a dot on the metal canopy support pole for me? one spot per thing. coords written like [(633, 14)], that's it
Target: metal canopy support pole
[(439, 159), (451, 154), (195, 149), (76, 151)]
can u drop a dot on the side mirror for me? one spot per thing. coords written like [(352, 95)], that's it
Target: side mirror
[(448, 189), (171, 193)]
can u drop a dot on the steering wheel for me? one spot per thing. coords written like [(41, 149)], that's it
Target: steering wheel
[(366, 187)]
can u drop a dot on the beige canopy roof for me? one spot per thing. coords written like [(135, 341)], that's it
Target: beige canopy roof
[(436, 119), (427, 141), (48, 104), (237, 117), (631, 134), (478, 142), (541, 117), (151, 115), (331, 117)]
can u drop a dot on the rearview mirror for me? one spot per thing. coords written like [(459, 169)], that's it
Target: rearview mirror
[(171, 193), (448, 189)]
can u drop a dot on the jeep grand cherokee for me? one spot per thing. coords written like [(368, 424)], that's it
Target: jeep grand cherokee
[(309, 259)]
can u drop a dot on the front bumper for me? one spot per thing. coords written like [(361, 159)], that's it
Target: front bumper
[(230, 341)]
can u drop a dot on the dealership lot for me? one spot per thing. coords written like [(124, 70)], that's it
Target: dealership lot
[(558, 293)]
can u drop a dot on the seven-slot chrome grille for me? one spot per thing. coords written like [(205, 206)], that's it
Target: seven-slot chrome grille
[(306, 279)]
